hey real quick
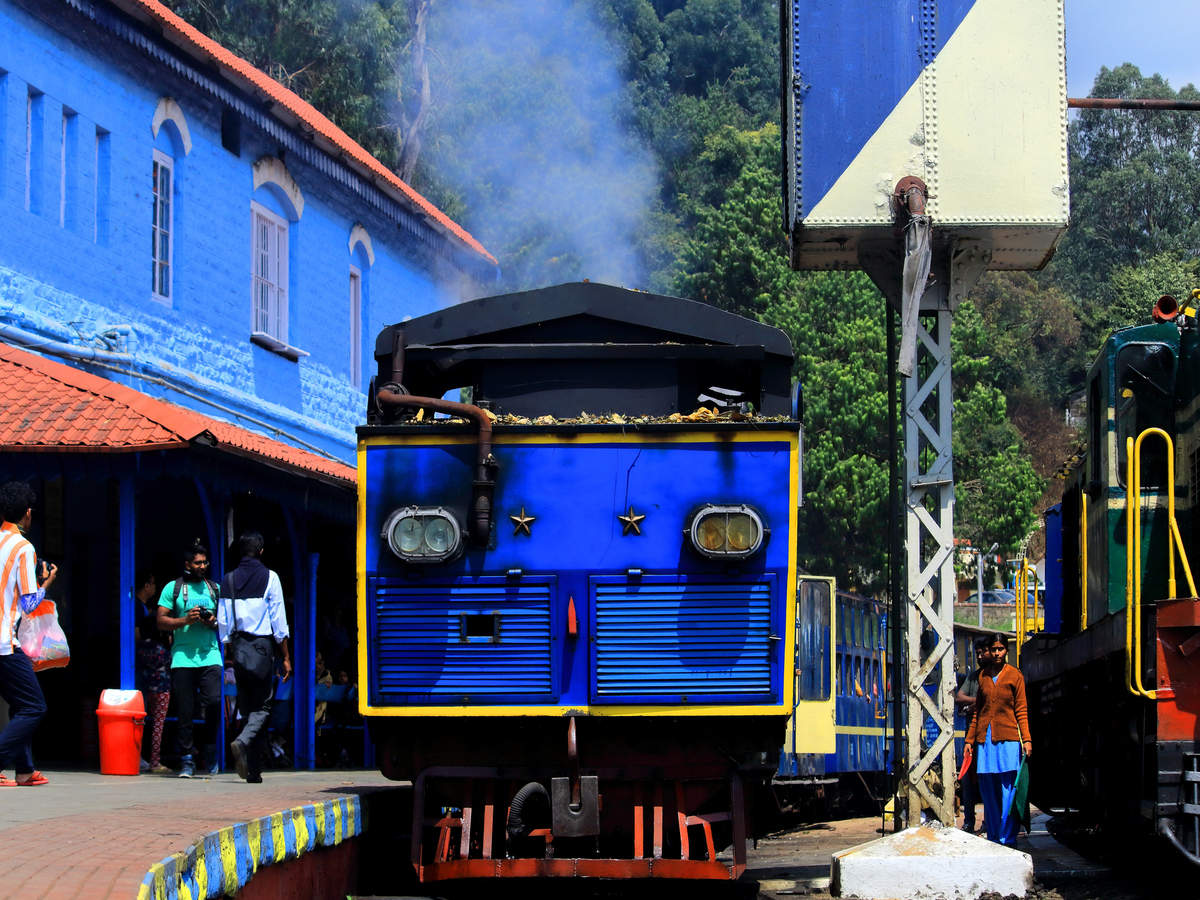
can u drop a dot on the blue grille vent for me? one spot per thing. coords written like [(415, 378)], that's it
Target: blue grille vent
[(433, 643), (670, 639)]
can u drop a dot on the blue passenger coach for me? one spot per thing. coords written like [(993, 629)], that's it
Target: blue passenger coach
[(841, 657), (579, 585)]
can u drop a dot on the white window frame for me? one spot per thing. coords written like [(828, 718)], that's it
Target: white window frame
[(162, 161), (268, 274), (356, 285)]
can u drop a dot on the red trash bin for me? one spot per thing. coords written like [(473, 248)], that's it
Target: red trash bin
[(122, 714)]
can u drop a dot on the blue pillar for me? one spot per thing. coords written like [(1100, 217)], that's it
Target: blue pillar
[(126, 563), (304, 640), (213, 530), (216, 571)]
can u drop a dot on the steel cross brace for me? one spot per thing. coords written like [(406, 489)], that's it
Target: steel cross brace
[(929, 543)]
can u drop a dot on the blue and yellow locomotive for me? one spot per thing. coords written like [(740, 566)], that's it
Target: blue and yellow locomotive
[(577, 590)]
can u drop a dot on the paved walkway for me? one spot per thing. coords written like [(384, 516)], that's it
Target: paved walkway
[(85, 835), (92, 836)]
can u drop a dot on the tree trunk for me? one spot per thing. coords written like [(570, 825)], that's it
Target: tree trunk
[(415, 113)]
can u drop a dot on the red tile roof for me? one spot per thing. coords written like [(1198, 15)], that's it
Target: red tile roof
[(206, 50), (48, 406)]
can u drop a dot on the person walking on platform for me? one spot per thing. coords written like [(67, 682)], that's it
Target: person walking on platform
[(153, 669), (22, 588), (187, 606), (997, 735), (252, 622)]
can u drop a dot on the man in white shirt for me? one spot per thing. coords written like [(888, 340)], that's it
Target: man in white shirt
[(251, 614)]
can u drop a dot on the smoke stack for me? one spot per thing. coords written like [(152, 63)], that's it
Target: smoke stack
[(1166, 309)]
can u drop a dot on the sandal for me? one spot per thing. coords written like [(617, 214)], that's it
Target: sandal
[(35, 779)]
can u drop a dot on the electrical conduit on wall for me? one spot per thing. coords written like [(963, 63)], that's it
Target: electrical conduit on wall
[(197, 388)]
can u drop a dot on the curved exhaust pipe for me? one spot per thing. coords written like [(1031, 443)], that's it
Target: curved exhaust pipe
[(483, 486)]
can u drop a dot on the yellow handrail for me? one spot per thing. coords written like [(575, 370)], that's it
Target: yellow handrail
[(1018, 615), (1133, 551), (1037, 623), (1083, 569), (1130, 554)]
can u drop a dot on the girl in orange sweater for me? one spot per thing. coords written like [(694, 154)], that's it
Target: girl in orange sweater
[(997, 735)]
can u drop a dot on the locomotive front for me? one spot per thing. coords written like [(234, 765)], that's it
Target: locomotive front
[(576, 590)]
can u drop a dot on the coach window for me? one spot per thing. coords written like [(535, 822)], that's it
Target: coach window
[(1145, 388)]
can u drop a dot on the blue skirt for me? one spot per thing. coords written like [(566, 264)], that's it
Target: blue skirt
[(997, 766)]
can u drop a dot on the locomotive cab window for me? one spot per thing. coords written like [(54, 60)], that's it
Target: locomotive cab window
[(1145, 389), (814, 619)]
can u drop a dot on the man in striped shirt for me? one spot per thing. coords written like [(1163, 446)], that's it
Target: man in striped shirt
[(20, 592)]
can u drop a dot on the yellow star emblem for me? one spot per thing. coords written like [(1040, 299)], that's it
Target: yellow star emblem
[(629, 522), (523, 522)]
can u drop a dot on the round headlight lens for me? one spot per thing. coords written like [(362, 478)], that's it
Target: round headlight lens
[(711, 532), (408, 533), (741, 532), (439, 536)]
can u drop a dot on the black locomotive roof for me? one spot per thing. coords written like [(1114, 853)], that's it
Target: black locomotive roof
[(583, 346), (585, 313)]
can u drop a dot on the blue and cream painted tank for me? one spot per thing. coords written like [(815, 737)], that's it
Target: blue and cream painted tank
[(967, 95)]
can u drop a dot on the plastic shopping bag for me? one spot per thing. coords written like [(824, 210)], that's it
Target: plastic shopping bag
[(42, 638)]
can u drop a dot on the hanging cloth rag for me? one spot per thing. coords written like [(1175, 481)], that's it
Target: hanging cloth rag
[(918, 254)]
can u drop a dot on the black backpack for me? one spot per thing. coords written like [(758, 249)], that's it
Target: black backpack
[(212, 588)]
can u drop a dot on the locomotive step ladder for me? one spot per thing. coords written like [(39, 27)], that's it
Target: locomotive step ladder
[(1185, 836)]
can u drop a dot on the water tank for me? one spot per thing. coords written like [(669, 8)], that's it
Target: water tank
[(967, 95)]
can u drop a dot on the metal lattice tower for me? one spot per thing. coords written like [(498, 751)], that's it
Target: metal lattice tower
[(929, 544)]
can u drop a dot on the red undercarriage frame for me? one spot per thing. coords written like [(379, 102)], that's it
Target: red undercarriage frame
[(468, 841)]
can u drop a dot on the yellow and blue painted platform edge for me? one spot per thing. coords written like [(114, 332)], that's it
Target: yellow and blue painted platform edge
[(221, 862)]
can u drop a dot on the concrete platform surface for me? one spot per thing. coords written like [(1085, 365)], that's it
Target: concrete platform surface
[(930, 862), (796, 862), (85, 835)]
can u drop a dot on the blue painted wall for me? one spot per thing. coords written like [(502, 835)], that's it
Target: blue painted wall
[(75, 262)]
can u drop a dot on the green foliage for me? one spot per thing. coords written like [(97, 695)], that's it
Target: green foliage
[(339, 55), (995, 485), (1135, 193), (1028, 332), (1135, 288)]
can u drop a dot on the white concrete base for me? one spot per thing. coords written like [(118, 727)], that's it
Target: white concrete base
[(929, 862)]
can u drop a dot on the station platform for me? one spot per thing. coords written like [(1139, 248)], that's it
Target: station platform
[(86, 835)]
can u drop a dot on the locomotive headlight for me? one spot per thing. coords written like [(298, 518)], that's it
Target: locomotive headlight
[(422, 534), (724, 532), (710, 533), (439, 535), (407, 534)]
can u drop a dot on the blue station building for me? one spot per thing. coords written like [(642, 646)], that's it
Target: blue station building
[(193, 268)]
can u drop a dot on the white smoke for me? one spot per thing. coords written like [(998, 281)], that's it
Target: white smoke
[(529, 131)]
